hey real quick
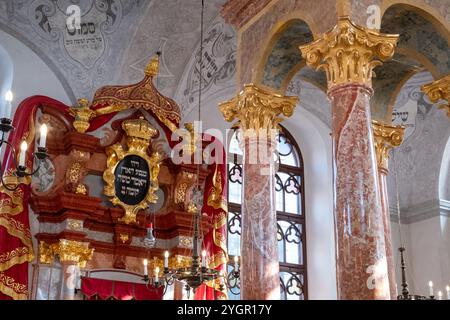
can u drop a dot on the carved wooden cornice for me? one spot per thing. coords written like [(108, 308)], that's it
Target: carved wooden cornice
[(239, 12)]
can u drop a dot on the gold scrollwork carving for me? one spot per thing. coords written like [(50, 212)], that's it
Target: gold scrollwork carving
[(439, 90), (139, 134), (348, 53), (67, 251), (386, 137), (82, 114), (258, 110)]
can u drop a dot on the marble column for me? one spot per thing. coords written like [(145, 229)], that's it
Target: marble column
[(386, 137), (72, 256), (348, 54), (258, 113)]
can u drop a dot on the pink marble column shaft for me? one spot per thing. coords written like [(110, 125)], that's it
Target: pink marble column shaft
[(360, 243), (382, 175), (259, 246)]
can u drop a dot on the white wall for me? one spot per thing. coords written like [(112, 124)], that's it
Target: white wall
[(427, 244), (6, 77), (313, 138), (31, 75)]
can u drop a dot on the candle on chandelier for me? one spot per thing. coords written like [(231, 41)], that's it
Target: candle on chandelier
[(23, 153), (236, 263), (204, 259), (43, 140), (447, 288), (430, 285), (440, 295), (157, 274), (8, 98), (145, 267), (166, 259)]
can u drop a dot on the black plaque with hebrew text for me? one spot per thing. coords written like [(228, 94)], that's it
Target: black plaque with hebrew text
[(132, 180)]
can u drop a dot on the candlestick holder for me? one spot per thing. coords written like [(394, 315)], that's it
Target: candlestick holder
[(21, 171)]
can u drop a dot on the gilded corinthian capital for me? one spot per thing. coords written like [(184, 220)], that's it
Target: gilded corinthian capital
[(257, 109), (67, 251), (349, 53), (386, 137), (439, 90)]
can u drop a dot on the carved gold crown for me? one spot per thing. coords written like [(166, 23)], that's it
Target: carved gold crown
[(139, 128)]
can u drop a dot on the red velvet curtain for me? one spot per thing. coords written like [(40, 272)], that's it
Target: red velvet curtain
[(99, 289)]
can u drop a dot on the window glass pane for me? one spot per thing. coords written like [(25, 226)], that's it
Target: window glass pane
[(233, 290), (293, 285), (234, 233), (234, 144), (286, 151)]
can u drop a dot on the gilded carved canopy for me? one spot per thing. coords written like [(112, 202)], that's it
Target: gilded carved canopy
[(144, 95)]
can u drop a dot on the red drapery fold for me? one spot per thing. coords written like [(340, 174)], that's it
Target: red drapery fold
[(216, 208), (99, 289), (16, 249)]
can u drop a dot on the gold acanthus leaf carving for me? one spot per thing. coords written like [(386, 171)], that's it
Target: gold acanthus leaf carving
[(82, 114), (67, 250), (258, 110), (386, 137), (348, 53), (439, 90)]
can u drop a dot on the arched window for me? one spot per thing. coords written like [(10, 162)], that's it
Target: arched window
[(290, 205)]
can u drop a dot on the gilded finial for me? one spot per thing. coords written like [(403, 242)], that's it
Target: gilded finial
[(152, 68), (82, 115)]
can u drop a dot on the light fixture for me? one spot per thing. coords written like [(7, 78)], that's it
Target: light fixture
[(11, 182)]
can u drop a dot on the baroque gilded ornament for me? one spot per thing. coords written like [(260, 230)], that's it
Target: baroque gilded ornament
[(132, 175), (257, 110), (439, 90), (386, 137), (349, 53), (67, 251), (82, 114)]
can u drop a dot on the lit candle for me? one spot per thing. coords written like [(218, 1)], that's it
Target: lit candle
[(430, 284), (23, 153), (8, 98), (447, 288), (166, 259), (440, 295), (204, 259), (43, 139), (145, 267), (236, 263), (157, 274)]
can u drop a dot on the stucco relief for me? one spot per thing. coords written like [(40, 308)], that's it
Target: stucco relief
[(82, 59)]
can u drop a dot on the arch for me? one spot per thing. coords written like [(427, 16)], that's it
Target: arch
[(281, 58), (43, 57), (419, 31), (423, 45)]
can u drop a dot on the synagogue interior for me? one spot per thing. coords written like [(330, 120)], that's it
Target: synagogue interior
[(225, 150)]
